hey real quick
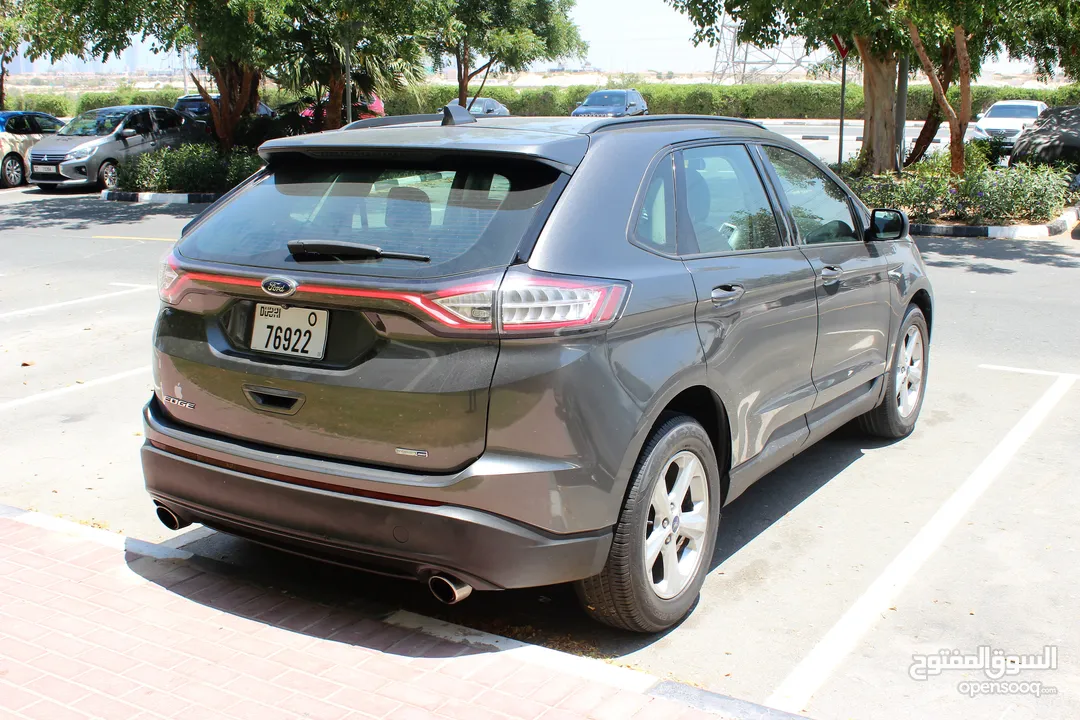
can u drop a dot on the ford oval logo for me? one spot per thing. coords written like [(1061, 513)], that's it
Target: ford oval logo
[(279, 286)]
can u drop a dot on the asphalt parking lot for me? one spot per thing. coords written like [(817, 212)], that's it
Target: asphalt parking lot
[(830, 573)]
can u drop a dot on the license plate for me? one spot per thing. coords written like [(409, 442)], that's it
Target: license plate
[(47, 169), (298, 332)]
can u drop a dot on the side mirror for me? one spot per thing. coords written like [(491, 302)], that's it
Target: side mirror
[(887, 225), (490, 110), (979, 117), (128, 133), (577, 104)]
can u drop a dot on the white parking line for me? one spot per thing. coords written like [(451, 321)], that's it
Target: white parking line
[(50, 394), (809, 675), (1026, 371), (79, 301)]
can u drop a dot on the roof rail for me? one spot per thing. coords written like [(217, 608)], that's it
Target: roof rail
[(641, 119), (449, 115)]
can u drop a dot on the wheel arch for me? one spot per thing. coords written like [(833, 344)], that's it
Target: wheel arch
[(698, 401), (921, 298)]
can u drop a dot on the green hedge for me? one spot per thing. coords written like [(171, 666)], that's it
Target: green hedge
[(57, 105), (165, 97), (188, 169), (785, 100)]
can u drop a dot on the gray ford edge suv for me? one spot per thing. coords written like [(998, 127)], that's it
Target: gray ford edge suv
[(522, 351)]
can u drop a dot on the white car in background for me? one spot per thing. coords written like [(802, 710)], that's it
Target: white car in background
[(1006, 119), (20, 130)]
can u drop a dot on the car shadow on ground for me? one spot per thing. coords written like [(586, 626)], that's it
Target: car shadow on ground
[(548, 616), (972, 254), (74, 210)]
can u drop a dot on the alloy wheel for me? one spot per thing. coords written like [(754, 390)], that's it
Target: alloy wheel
[(13, 172), (676, 525), (109, 176), (909, 372)]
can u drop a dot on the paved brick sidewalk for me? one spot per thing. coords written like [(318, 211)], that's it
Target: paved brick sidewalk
[(86, 631)]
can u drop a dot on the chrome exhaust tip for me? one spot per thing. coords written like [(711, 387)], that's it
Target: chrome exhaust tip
[(170, 519), (447, 589)]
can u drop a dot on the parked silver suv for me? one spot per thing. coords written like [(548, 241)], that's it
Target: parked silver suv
[(511, 352), (88, 150)]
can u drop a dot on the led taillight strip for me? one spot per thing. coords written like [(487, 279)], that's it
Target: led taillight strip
[(416, 300)]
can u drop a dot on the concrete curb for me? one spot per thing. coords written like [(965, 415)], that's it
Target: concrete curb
[(622, 678), (1002, 232), (159, 198)]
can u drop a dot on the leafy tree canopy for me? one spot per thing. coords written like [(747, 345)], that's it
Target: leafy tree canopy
[(502, 35)]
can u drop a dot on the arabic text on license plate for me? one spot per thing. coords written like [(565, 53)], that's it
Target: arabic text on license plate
[(300, 332), (46, 169)]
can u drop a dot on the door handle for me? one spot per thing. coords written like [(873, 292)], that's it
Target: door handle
[(831, 274), (727, 294)]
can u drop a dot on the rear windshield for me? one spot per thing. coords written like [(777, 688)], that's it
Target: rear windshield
[(194, 107), (1013, 111), (463, 215)]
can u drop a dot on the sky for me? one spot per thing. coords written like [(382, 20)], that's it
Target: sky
[(632, 36)]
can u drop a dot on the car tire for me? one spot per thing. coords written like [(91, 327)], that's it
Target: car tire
[(627, 594), (108, 175), (12, 171), (905, 388)]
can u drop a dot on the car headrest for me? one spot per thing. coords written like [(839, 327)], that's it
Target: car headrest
[(408, 208), (698, 202)]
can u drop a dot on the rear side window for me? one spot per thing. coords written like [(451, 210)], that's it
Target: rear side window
[(656, 220), (464, 215), (166, 119)]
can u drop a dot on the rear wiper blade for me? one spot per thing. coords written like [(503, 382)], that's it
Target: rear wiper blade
[(346, 250)]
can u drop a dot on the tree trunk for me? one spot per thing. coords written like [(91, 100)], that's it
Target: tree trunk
[(335, 104), (235, 91), (957, 121), (879, 123), (463, 76), (482, 83), (3, 74), (934, 117), (956, 134)]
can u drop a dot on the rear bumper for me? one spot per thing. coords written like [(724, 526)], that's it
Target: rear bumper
[(384, 535)]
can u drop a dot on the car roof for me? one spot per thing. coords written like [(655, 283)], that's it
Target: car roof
[(561, 141), (1019, 102), (13, 113), (129, 108)]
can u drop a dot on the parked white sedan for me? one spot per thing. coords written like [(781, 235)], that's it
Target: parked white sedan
[(1006, 119), (19, 131)]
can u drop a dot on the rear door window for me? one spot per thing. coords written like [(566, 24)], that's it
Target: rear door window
[(726, 201), (463, 215)]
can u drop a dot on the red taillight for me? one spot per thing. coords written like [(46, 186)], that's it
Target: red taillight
[(536, 302), (174, 281), (171, 280)]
